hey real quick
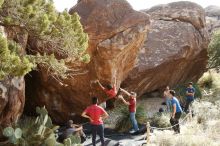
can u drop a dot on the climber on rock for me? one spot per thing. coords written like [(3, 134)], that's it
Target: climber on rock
[(131, 103), (110, 91)]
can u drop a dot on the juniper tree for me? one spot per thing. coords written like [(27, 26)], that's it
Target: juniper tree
[(62, 32), (214, 50)]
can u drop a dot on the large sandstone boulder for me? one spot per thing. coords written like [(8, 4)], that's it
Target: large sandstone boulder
[(212, 11), (175, 50), (212, 18), (116, 33)]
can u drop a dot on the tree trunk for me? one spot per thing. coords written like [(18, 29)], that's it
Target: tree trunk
[(12, 99)]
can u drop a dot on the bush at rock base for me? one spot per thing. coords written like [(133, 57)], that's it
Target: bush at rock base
[(123, 123), (160, 120)]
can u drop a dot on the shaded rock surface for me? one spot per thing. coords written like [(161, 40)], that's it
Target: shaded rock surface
[(12, 100), (175, 50), (116, 33)]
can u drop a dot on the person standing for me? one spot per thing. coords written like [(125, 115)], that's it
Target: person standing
[(176, 112), (96, 114), (131, 103), (167, 99), (190, 93)]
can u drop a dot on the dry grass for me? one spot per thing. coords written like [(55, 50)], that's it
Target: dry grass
[(194, 133)]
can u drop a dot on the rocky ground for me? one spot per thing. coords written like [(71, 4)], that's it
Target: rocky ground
[(202, 130), (113, 138), (192, 134)]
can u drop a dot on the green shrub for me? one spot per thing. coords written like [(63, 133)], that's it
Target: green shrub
[(206, 81), (212, 79), (160, 120), (214, 50), (123, 123), (58, 33)]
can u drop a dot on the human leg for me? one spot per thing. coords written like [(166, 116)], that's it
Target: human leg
[(100, 131), (177, 117), (134, 121), (94, 131), (172, 122), (188, 103), (82, 136)]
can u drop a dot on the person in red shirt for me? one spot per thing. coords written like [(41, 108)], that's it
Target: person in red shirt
[(110, 91), (96, 114), (132, 108)]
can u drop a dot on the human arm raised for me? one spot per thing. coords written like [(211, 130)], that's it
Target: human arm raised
[(123, 100), (100, 85), (124, 91)]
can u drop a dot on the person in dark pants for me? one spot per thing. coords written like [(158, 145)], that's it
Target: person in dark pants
[(176, 112), (190, 92), (96, 114)]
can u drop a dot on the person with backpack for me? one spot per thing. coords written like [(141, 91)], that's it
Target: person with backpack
[(96, 114)]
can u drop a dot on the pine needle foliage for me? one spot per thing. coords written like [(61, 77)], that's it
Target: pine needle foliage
[(59, 33), (11, 63)]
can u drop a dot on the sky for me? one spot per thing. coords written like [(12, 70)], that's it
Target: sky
[(137, 4)]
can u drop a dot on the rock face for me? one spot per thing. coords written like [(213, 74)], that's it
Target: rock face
[(12, 98), (212, 11), (212, 18), (116, 33), (175, 50)]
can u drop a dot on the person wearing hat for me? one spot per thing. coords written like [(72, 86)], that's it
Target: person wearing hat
[(131, 103), (190, 93)]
